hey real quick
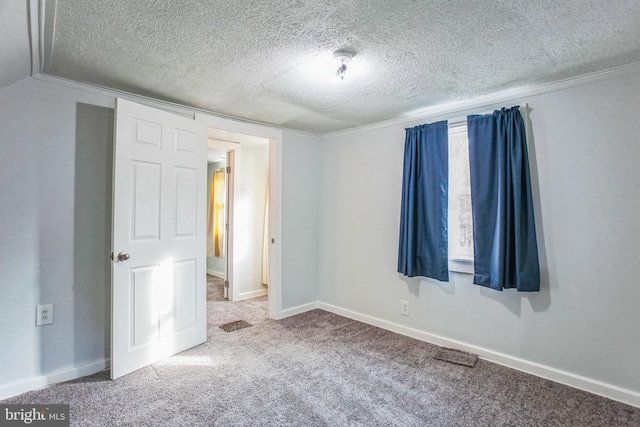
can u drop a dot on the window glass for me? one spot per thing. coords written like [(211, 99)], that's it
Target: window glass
[(460, 218)]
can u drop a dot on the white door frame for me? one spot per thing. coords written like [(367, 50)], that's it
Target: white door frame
[(229, 209), (275, 198)]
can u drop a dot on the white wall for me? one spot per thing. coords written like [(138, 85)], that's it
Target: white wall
[(14, 42), (585, 153), (55, 205), (340, 211), (300, 190)]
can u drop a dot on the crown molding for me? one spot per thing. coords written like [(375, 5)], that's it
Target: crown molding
[(172, 107), (33, 9), (489, 102), (301, 133), (183, 110), (438, 112)]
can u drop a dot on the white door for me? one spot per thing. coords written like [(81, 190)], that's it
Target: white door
[(159, 236)]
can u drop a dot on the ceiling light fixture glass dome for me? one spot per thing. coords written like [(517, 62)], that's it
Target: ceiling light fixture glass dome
[(343, 56)]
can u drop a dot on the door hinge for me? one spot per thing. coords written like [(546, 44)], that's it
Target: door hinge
[(226, 227), (111, 256), (226, 283), (228, 169)]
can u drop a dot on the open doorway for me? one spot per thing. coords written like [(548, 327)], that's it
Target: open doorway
[(238, 135), (237, 220)]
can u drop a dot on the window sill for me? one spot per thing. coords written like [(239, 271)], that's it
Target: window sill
[(461, 265)]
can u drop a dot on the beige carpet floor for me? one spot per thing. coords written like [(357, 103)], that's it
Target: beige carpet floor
[(215, 288), (320, 369)]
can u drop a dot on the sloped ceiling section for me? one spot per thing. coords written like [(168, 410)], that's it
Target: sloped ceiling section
[(271, 61), (15, 47)]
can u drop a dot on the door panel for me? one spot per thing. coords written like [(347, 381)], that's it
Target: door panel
[(186, 294), (145, 200), (159, 291), (186, 188), (145, 327)]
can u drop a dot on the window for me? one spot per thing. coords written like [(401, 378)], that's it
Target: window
[(460, 218), (440, 216)]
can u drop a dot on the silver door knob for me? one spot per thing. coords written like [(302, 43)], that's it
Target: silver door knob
[(123, 256)]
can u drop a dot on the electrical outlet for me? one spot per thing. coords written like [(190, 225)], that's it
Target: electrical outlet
[(404, 308), (44, 314)]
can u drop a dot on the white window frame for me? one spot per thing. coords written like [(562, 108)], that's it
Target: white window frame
[(460, 255)]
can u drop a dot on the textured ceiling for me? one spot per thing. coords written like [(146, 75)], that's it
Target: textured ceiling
[(270, 60)]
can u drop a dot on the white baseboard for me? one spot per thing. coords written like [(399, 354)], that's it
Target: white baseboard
[(591, 385), (67, 374), (610, 391), (252, 294), (299, 309), (216, 273)]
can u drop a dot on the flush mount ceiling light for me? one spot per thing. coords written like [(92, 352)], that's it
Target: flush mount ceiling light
[(343, 56)]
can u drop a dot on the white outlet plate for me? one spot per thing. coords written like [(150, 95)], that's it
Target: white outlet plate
[(404, 308), (44, 314)]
